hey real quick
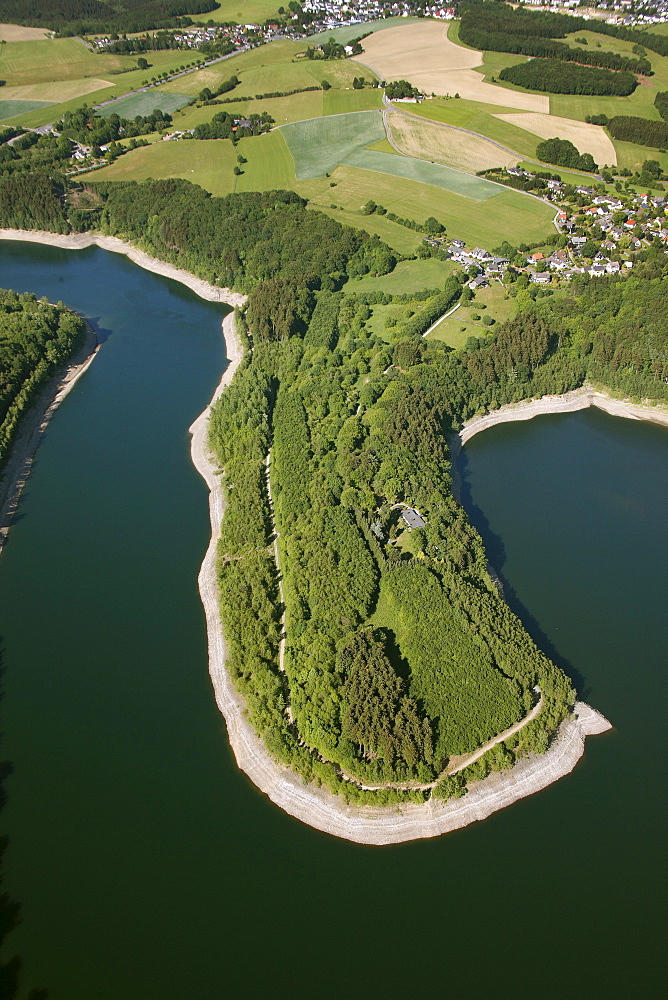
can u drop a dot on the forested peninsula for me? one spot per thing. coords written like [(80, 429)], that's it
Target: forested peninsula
[(370, 645)]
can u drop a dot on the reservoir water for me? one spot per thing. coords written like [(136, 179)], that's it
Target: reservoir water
[(148, 867)]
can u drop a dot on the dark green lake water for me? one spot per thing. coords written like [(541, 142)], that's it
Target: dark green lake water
[(147, 866)]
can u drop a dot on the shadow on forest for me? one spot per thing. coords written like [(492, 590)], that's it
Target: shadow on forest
[(10, 970), (496, 555)]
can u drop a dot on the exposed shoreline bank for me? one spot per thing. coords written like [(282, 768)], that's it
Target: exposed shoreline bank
[(568, 402), (318, 807), (32, 425)]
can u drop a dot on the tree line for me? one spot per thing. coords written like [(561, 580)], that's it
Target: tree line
[(496, 28), (639, 130), (77, 17), (565, 78), (35, 338)]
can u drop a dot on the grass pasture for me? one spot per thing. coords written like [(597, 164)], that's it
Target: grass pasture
[(495, 302), (209, 163), (407, 276), (277, 66), (321, 144), (144, 103), (240, 11), (430, 141), (507, 213), (12, 109)]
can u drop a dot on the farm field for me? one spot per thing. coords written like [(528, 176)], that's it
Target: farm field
[(633, 156), (433, 174), (493, 301), (56, 92), (430, 141), (53, 59), (349, 31), (321, 144), (508, 212), (477, 117), (586, 138), (241, 11), (19, 33), (12, 109), (424, 54), (270, 68), (144, 103), (209, 163)]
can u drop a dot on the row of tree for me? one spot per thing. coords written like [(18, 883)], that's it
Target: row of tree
[(494, 30), (76, 17), (565, 78), (35, 338), (628, 128)]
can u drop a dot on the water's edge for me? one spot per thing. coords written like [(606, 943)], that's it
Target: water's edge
[(317, 807)]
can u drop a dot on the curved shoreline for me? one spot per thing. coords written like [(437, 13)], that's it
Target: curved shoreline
[(32, 425), (317, 807), (567, 402)]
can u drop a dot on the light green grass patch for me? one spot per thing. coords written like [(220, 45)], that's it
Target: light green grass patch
[(567, 176), (145, 103), (350, 31), (338, 102), (497, 304), (404, 241), (321, 144), (209, 163), (10, 109), (267, 69), (509, 212), (241, 12), (408, 276), (633, 156), (447, 178), (384, 146)]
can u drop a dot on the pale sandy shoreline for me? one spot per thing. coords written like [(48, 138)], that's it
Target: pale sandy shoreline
[(568, 402), (316, 806), (32, 425)]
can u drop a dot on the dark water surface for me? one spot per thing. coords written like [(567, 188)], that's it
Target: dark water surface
[(149, 868)]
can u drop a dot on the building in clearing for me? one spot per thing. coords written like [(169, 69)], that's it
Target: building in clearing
[(412, 518)]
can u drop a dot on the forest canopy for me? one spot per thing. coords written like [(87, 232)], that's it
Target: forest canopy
[(73, 17)]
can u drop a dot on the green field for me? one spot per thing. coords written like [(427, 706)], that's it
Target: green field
[(279, 66), (457, 328), (407, 276), (345, 34), (509, 212), (143, 104), (10, 109), (321, 144), (467, 185), (633, 156), (241, 11)]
